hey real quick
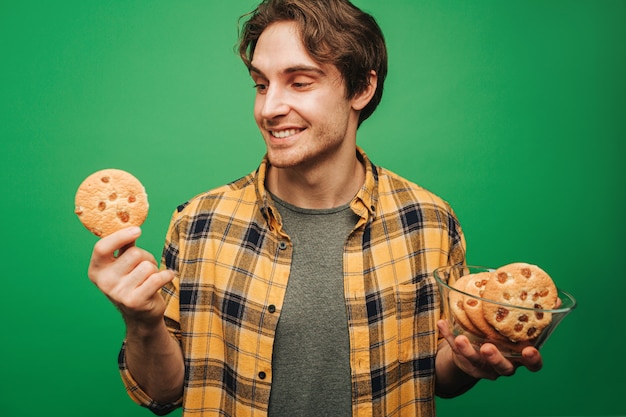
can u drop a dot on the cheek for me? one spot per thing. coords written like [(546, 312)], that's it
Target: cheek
[(258, 105)]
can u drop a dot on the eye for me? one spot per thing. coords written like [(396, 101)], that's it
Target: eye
[(301, 85), (260, 88)]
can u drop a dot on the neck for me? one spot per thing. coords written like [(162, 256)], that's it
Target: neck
[(319, 186)]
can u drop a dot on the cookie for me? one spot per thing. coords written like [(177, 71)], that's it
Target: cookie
[(523, 285), (474, 306), (457, 306), (109, 200)]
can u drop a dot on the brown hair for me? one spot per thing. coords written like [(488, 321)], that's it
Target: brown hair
[(333, 32)]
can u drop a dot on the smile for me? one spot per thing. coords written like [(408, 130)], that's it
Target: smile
[(282, 134)]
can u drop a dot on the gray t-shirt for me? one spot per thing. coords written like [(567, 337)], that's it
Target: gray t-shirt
[(311, 360)]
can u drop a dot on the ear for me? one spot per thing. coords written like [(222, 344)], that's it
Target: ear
[(360, 100)]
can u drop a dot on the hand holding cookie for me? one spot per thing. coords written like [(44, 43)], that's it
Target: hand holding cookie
[(109, 200), (513, 306), (108, 203)]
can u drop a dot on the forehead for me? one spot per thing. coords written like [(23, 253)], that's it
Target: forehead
[(280, 47)]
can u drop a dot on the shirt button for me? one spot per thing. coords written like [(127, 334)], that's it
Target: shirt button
[(282, 245), (271, 308), (262, 375)]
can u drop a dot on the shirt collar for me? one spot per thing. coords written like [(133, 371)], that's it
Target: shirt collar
[(366, 200)]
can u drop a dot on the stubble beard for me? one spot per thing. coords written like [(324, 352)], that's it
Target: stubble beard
[(305, 157)]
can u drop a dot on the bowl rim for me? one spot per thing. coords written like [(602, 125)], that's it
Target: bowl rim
[(440, 281)]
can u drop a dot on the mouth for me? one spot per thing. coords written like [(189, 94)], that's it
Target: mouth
[(285, 133)]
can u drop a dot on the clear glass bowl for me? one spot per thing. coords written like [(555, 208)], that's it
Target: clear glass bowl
[(460, 325)]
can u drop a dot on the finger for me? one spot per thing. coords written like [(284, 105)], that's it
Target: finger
[(104, 250), (462, 346), (153, 284), (146, 298), (118, 273), (459, 345), (132, 257), (531, 359), (140, 273), (444, 330), (494, 358), (134, 291), (124, 248), (124, 274)]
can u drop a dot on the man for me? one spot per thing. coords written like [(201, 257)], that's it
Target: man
[(305, 287)]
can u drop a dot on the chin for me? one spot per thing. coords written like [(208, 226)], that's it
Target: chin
[(281, 162), (284, 158)]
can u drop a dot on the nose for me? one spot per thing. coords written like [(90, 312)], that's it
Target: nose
[(274, 103)]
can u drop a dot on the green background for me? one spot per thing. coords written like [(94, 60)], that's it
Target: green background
[(513, 111)]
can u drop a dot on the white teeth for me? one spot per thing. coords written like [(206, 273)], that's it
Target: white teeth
[(284, 133)]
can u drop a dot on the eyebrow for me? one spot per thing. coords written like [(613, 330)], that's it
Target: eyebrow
[(290, 70)]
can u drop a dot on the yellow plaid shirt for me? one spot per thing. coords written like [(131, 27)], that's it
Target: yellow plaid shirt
[(232, 260)]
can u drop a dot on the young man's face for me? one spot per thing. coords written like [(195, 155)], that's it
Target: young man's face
[(301, 106)]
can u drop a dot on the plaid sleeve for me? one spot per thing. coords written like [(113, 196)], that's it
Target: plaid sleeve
[(137, 394), (457, 253)]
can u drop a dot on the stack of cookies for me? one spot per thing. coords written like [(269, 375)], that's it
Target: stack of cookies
[(520, 291)]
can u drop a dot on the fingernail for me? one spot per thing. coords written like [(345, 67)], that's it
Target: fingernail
[(134, 231), (529, 354)]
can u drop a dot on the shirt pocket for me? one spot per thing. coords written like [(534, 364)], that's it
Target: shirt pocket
[(417, 311)]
